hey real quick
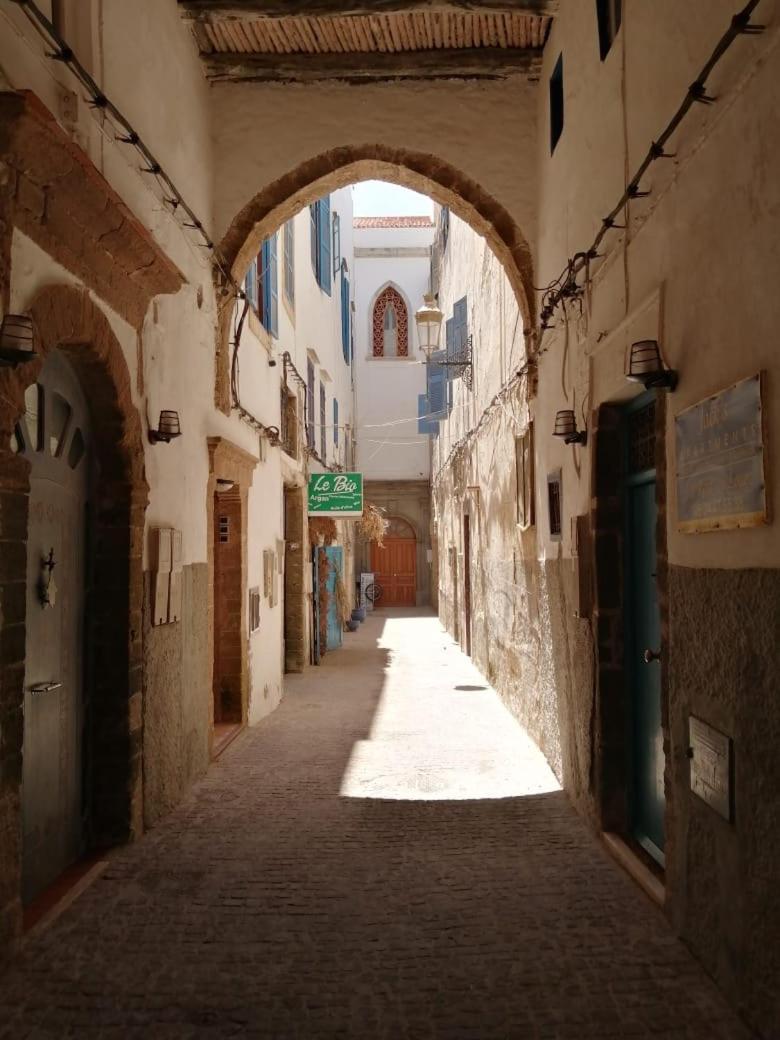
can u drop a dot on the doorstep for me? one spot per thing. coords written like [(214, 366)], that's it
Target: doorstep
[(60, 894), (650, 883), (224, 735)]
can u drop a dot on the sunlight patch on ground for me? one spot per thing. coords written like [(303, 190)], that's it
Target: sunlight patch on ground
[(432, 741)]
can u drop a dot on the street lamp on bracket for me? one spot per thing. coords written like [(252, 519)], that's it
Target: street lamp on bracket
[(429, 319)]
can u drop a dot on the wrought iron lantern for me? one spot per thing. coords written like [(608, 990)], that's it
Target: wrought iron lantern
[(566, 427), (646, 367), (168, 428), (17, 336)]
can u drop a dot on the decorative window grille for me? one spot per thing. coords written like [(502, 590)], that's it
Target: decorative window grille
[(396, 324), (554, 504), (641, 439)]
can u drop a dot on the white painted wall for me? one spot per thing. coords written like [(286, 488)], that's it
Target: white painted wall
[(388, 387)]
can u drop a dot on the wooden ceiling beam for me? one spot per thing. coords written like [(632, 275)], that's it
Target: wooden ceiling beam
[(219, 10), (483, 63)]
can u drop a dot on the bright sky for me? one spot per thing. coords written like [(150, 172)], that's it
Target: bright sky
[(380, 199)]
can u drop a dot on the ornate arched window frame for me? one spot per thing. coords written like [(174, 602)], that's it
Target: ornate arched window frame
[(390, 293)]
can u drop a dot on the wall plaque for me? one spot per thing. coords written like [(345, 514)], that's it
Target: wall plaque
[(720, 460), (710, 753)]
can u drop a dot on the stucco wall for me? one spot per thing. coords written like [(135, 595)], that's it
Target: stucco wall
[(388, 444)]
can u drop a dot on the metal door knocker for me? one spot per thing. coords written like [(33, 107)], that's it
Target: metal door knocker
[(47, 589)]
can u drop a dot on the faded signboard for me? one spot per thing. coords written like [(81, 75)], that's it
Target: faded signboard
[(711, 766), (336, 494), (720, 460)]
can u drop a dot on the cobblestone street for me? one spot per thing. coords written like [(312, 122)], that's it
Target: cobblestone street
[(387, 855)]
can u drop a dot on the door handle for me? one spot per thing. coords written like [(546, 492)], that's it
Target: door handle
[(45, 687), (651, 655)]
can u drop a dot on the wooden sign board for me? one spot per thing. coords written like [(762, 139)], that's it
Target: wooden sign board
[(719, 445)]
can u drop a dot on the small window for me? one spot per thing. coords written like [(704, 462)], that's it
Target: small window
[(224, 529), (60, 421), (76, 450), (609, 14), (524, 466), (556, 103), (33, 415), (335, 422), (254, 609), (310, 404), (445, 226), (554, 504)]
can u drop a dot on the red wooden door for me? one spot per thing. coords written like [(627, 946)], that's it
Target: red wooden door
[(395, 568)]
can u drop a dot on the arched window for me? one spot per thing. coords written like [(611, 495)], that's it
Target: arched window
[(390, 325)]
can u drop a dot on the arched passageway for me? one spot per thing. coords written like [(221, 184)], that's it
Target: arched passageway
[(427, 174)]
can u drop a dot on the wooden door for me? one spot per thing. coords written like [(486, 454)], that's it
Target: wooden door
[(643, 633), (54, 436), (395, 566)]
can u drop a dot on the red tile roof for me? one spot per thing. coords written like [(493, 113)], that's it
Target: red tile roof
[(393, 222)]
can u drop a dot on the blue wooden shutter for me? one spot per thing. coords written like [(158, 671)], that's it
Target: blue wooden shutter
[(424, 424), (335, 422), (250, 283), (289, 261), (345, 316), (310, 403), (437, 386), (336, 258), (323, 423), (325, 276), (270, 286), (314, 213)]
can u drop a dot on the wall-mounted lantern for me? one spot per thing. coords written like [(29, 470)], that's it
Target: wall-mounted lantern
[(646, 367), (566, 427), (168, 428), (429, 319), (17, 339)]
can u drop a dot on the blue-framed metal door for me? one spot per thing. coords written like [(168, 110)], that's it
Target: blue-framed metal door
[(643, 630), (335, 556)]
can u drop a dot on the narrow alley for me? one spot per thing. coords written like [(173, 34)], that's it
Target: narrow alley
[(387, 855)]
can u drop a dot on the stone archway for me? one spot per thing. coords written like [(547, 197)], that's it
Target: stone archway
[(66, 319), (425, 173)]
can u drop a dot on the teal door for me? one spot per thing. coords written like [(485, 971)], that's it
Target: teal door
[(335, 555), (643, 632)]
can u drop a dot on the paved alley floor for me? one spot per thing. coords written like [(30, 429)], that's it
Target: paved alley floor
[(387, 855)]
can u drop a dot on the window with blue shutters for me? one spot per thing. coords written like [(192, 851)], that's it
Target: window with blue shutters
[(336, 244), (250, 284), (270, 285), (425, 425), (346, 332), (437, 386), (321, 253), (335, 422), (289, 262), (458, 336)]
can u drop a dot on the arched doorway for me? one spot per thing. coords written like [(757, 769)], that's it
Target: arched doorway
[(394, 564), (54, 436), (90, 374)]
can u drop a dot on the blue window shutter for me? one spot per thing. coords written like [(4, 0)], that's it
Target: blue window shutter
[(425, 425), (314, 213), (273, 265), (461, 320), (345, 316), (325, 276), (265, 269), (250, 283), (335, 422), (336, 244), (289, 260), (437, 386), (450, 337)]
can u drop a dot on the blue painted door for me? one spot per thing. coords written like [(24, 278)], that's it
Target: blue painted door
[(643, 632), (335, 555), (316, 652)]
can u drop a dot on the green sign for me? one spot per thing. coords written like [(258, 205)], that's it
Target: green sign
[(336, 494)]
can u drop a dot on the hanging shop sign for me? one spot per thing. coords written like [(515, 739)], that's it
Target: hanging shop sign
[(720, 460), (336, 494)]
